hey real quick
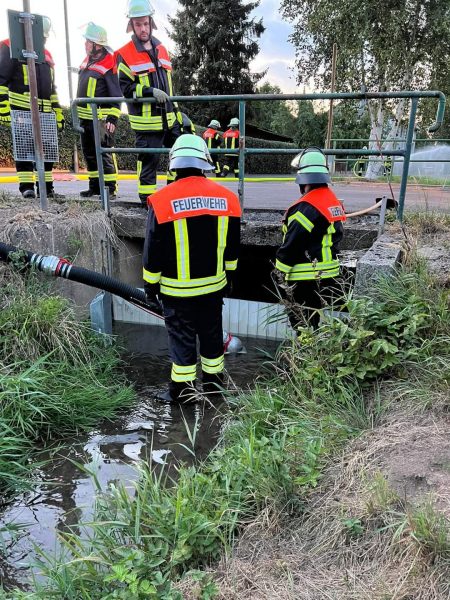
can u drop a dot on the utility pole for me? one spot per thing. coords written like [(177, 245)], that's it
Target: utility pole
[(333, 86), (30, 55), (69, 73)]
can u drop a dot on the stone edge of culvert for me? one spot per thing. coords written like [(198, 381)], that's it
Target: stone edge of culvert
[(380, 260)]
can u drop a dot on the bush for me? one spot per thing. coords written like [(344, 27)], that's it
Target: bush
[(276, 164)]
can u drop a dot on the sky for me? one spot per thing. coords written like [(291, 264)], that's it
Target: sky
[(276, 55)]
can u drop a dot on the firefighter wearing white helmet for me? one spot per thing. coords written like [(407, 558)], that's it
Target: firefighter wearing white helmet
[(97, 80), (312, 231), (213, 139), (231, 142), (190, 252), (15, 95), (145, 71)]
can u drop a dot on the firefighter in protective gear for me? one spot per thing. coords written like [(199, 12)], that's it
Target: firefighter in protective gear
[(97, 79), (145, 71), (191, 249), (187, 126), (213, 139), (312, 228), (231, 142), (15, 95)]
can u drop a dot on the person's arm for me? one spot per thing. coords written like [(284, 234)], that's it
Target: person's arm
[(295, 242), (231, 253), (6, 75), (113, 110), (56, 107), (152, 255)]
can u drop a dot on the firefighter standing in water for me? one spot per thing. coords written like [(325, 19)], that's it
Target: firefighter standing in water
[(231, 142), (213, 139), (145, 71), (190, 251), (312, 228), (15, 95), (97, 79)]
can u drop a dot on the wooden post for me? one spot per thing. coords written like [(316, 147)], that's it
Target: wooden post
[(333, 85), (35, 118), (69, 73)]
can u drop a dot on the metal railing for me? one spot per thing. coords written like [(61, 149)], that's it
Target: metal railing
[(414, 96)]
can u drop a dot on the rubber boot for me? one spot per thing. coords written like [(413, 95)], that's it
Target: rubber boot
[(213, 385), (179, 392)]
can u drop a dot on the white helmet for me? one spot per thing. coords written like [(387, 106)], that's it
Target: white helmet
[(214, 124), (234, 122), (139, 8), (95, 33), (47, 26), (190, 152)]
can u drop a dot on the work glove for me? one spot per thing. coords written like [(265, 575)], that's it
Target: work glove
[(160, 96), (151, 297)]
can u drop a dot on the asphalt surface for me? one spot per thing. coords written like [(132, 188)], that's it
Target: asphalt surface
[(279, 194)]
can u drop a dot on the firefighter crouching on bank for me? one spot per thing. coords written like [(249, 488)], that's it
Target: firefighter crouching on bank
[(312, 228), (191, 249)]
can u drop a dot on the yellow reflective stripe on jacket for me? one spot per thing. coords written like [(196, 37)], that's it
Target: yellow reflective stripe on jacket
[(150, 277), (128, 72), (23, 101), (231, 265), (302, 271), (3, 90), (147, 122), (182, 248), (212, 365), (193, 287), (300, 218), (25, 74), (327, 242), (222, 232)]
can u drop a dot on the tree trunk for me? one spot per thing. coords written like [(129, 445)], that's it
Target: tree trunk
[(375, 164)]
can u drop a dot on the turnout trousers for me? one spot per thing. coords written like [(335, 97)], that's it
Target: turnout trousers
[(147, 163), (108, 160), (309, 297), (26, 173), (186, 320)]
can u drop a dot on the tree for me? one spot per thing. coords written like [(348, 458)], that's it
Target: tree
[(310, 127), (383, 45), (215, 42), (274, 115)]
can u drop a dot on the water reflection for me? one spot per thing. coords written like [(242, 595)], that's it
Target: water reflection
[(152, 431)]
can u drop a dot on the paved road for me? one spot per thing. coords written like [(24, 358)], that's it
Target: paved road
[(280, 194)]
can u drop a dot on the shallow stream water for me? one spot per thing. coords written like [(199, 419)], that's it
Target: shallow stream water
[(152, 431)]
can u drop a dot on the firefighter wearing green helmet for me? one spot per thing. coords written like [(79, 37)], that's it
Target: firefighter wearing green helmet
[(231, 142), (312, 231), (145, 71), (15, 95), (213, 139), (190, 252), (96, 79)]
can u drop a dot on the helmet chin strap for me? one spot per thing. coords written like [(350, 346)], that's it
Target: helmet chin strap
[(96, 50)]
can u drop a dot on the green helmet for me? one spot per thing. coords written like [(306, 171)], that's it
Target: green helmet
[(47, 26), (139, 8), (234, 123), (311, 165), (95, 33), (214, 124), (190, 152)]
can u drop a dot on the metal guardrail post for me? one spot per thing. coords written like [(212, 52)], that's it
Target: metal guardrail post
[(407, 158), (241, 152)]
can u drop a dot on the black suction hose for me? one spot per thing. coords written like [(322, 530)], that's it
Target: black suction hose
[(59, 267)]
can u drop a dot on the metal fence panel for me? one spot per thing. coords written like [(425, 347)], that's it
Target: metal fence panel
[(22, 135)]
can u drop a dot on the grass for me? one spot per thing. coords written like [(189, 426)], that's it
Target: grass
[(275, 446), (56, 376)]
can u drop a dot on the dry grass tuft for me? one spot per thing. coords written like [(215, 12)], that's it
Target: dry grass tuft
[(359, 536)]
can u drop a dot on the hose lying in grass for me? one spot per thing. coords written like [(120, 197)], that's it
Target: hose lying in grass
[(60, 267)]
